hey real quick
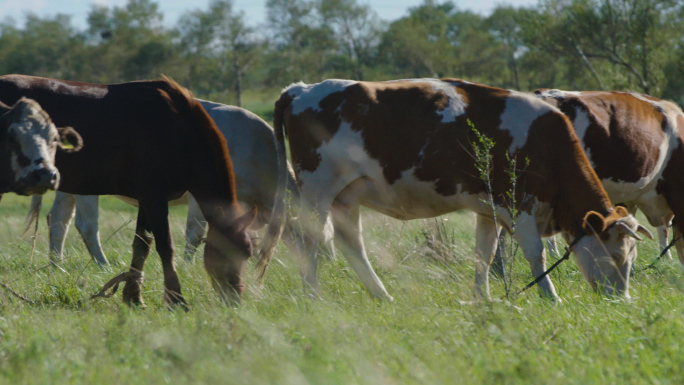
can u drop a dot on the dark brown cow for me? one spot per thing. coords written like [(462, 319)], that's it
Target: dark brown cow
[(404, 148), (28, 143), (151, 141), (635, 144)]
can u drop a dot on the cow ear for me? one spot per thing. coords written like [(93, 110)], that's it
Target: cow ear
[(243, 223), (621, 210), (70, 140), (594, 222)]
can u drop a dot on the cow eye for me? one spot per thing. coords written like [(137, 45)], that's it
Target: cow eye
[(615, 256)]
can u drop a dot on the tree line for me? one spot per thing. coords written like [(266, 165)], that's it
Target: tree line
[(633, 45)]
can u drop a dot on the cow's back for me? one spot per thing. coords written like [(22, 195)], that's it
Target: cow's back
[(252, 147)]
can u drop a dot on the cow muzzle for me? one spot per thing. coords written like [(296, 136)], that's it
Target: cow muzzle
[(39, 181)]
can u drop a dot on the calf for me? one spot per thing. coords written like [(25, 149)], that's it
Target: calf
[(28, 144), (405, 149), (151, 141)]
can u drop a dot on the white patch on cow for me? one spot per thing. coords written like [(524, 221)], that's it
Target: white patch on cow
[(520, 112), (331, 175), (555, 93), (551, 94), (582, 124), (456, 106), (309, 95)]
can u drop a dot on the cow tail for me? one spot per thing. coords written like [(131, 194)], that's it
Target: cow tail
[(32, 217), (277, 221)]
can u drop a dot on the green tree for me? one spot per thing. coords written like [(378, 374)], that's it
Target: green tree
[(357, 30), (301, 47), (129, 42), (48, 47), (622, 43)]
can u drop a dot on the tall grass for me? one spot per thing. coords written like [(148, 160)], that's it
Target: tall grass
[(433, 333)]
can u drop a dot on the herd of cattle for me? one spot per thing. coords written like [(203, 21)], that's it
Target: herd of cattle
[(403, 148)]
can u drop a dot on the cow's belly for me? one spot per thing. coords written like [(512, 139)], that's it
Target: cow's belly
[(183, 200), (410, 198), (624, 192), (645, 197)]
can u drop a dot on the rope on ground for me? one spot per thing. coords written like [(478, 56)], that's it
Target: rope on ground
[(115, 282)]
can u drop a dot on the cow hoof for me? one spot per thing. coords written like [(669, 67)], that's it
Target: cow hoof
[(384, 298), (134, 302), (175, 301), (132, 292)]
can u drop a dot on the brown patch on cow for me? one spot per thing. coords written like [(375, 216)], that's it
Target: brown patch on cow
[(560, 173), (672, 184), (624, 133)]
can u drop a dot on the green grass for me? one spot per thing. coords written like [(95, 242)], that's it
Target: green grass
[(431, 334)]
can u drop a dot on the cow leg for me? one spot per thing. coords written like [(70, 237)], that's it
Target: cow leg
[(312, 223), (195, 228), (679, 245), (142, 243), (663, 235), (527, 236), (59, 219), (348, 237), (158, 218), (87, 213), (486, 240)]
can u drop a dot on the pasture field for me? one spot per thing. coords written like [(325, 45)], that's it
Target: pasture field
[(431, 334)]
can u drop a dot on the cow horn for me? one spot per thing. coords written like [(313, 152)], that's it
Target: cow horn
[(624, 228), (641, 229)]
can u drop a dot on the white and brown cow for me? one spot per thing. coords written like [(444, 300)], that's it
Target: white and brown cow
[(405, 148), (260, 180), (634, 143), (28, 144)]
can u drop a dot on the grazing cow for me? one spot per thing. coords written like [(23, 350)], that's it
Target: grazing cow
[(28, 144), (634, 143), (151, 141), (257, 167), (405, 148)]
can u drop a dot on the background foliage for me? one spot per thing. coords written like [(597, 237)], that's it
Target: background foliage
[(569, 44)]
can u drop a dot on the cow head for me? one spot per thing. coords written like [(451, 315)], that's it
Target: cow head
[(605, 255), (228, 247), (28, 143)]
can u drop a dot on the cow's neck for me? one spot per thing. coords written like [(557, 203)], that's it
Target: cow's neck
[(578, 192), (568, 182), (214, 189)]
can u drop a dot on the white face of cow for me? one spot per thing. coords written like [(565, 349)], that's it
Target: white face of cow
[(31, 141), (605, 260)]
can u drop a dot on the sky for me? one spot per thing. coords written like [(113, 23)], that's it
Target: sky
[(255, 10)]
